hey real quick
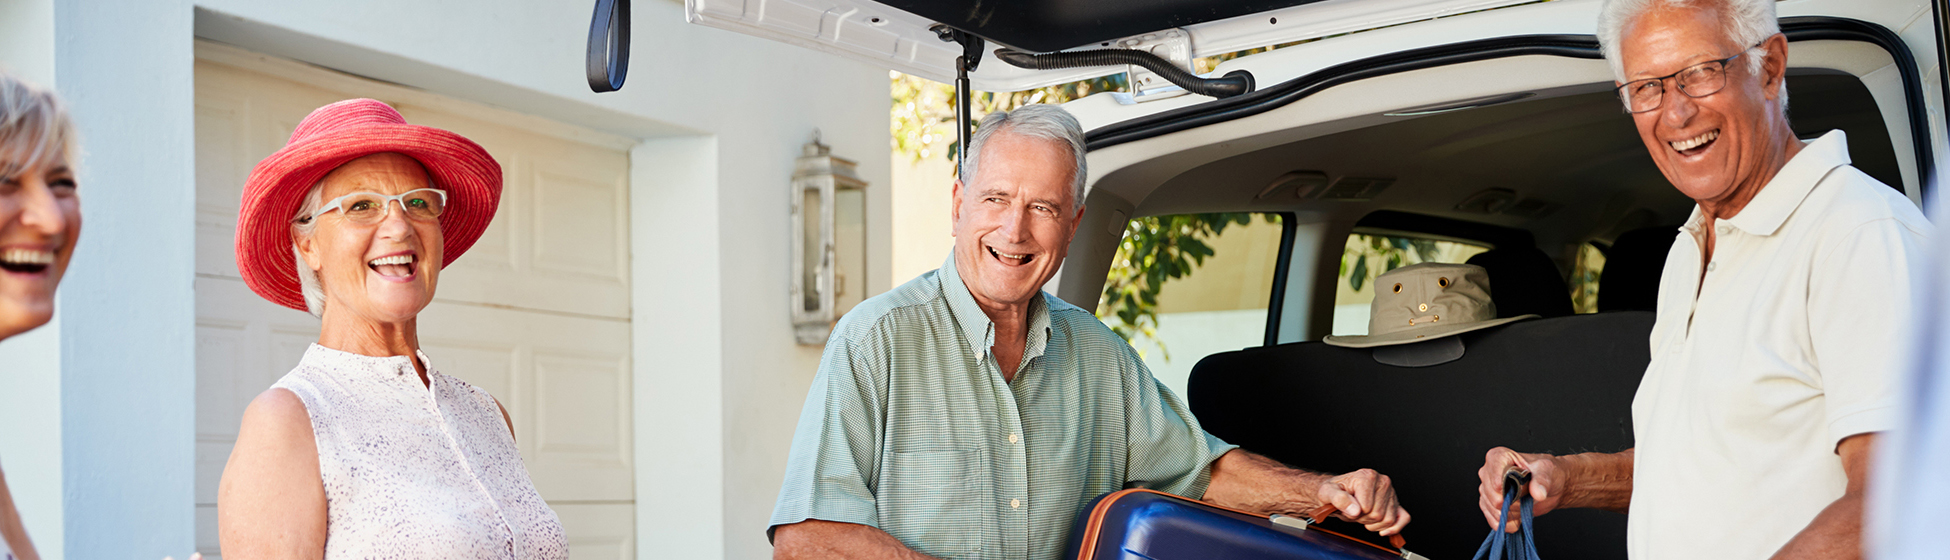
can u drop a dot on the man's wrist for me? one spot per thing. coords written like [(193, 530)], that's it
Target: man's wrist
[(1594, 480), (1571, 470)]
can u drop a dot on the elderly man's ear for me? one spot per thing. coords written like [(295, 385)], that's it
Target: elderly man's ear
[(954, 203), (1774, 68)]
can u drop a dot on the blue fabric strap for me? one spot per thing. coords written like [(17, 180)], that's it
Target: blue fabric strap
[(1510, 546)]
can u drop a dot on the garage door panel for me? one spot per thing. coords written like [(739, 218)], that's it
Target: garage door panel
[(569, 394), (559, 241), (496, 249), (599, 531), (579, 226), (211, 456), (219, 347)]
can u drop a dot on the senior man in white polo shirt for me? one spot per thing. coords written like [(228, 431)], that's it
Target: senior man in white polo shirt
[(1781, 310)]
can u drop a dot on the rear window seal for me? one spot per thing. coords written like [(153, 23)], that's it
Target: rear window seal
[(1807, 28)]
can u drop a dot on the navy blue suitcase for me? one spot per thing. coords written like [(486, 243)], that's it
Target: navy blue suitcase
[(1139, 524)]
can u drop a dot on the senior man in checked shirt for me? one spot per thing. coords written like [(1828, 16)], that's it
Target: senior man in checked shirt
[(967, 414)]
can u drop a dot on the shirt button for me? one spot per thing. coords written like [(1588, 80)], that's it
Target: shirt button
[(1013, 438), (1726, 230), (1015, 503), (1712, 265)]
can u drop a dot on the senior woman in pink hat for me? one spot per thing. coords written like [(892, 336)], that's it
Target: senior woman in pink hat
[(365, 449)]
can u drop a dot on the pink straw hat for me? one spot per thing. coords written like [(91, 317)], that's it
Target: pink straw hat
[(329, 137)]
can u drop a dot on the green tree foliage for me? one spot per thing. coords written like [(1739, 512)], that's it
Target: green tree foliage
[(923, 123), (1154, 250), (1585, 272), (1368, 256)]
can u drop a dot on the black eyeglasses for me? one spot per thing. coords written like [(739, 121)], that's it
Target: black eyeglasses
[(1698, 80)]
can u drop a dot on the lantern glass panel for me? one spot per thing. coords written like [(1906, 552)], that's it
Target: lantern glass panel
[(814, 249), (849, 248)]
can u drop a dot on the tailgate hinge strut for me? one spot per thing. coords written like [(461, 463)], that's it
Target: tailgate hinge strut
[(971, 57)]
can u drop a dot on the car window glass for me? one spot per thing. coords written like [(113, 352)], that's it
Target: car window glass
[(1186, 286), (1584, 278), (1367, 256)]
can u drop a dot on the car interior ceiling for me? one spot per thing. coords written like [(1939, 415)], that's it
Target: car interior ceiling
[(1571, 167)]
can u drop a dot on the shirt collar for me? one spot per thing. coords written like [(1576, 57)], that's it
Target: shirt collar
[(975, 324), (394, 365), (1777, 200)]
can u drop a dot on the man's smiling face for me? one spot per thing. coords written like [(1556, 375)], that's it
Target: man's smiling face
[(1014, 223), (1709, 147)]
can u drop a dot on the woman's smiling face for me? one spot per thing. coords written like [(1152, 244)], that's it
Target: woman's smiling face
[(40, 220), (384, 272)]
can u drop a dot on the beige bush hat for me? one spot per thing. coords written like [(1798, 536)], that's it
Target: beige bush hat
[(1427, 301)]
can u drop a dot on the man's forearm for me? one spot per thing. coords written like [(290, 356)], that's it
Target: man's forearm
[(814, 538), (1248, 481), (1598, 481), (1836, 533)]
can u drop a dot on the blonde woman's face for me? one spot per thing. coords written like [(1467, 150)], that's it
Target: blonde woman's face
[(40, 220), (384, 272)]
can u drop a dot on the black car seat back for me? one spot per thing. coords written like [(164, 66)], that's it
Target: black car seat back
[(1524, 281), (1559, 385), (1630, 279)]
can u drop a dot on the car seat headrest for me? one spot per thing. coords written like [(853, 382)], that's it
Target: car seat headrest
[(1630, 280), (1524, 281)]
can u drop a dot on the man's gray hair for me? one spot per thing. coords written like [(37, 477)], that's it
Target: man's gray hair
[(1041, 120), (1746, 22), (307, 279)]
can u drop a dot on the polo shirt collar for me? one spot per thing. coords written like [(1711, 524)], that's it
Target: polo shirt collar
[(975, 324), (1784, 193)]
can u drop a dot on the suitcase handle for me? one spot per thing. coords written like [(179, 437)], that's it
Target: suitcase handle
[(1325, 511)]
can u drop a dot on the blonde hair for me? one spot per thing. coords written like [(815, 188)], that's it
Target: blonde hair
[(35, 129)]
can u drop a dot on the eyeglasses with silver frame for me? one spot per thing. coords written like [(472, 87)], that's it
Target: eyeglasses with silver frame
[(367, 208)]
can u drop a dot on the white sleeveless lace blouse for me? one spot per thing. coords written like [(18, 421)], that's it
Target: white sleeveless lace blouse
[(413, 471)]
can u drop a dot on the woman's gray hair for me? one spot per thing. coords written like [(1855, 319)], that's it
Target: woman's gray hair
[(1747, 23), (308, 279), (35, 128), (1041, 120)]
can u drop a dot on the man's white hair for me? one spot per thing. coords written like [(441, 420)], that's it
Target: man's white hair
[(1041, 120), (1746, 22), (307, 279)]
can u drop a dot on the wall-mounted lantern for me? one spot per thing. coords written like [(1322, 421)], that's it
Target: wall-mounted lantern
[(829, 241)]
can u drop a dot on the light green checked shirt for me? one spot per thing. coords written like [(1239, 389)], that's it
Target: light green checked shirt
[(910, 428)]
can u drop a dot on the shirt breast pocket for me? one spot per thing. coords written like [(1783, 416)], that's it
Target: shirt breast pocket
[(932, 501)]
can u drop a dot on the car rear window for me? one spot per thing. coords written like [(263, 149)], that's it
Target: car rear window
[(1186, 286)]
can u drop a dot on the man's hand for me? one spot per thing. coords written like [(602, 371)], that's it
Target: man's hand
[(1595, 480), (1247, 481), (1366, 497), (1546, 484)]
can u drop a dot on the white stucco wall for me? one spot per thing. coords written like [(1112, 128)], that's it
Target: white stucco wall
[(719, 380), (103, 445)]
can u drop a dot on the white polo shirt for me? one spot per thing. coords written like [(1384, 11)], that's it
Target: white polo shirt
[(1789, 342)]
